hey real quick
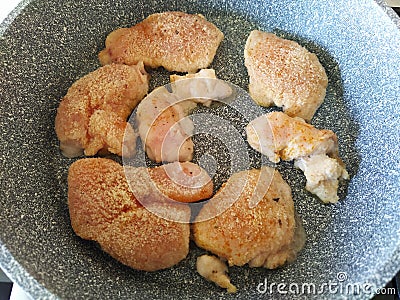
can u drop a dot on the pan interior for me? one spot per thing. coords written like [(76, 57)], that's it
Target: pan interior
[(51, 44)]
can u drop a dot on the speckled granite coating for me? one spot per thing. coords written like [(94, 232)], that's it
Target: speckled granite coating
[(49, 44)]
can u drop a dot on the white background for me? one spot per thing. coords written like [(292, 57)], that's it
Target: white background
[(6, 6)]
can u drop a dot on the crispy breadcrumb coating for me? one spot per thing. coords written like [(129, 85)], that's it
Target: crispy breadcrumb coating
[(285, 74), (251, 220), (103, 208), (92, 115), (176, 41)]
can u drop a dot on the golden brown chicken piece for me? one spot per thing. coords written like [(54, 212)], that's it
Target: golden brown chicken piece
[(92, 115), (315, 151), (103, 208), (250, 220), (183, 182), (176, 41), (285, 74)]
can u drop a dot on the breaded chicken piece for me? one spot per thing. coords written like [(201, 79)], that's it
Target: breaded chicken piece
[(104, 209), (315, 151), (279, 136), (92, 115), (162, 117), (164, 128), (285, 74), (178, 181), (203, 73), (213, 269), (201, 87), (191, 90), (176, 41), (251, 220)]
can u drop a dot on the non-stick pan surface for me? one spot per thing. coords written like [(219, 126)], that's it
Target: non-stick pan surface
[(46, 45)]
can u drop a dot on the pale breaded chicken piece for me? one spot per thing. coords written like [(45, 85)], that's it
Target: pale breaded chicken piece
[(323, 174), (162, 117), (188, 92), (203, 73), (163, 127), (201, 87), (104, 209), (213, 269), (285, 74), (279, 136), (251, 220), (92, 115), (315, 151), (176, 41)]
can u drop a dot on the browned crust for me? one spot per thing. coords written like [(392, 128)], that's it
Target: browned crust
[(175, 40), (181, 192), (92, 115), (103, 208), (245, 233)]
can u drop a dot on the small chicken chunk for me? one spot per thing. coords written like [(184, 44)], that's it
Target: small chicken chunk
[(251, 220), (315, 151), (285, 74), (162, 117), (213, 269), (92, 115), (176, 41), (104, 207)]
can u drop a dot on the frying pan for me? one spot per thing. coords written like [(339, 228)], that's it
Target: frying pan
[(46, 45)]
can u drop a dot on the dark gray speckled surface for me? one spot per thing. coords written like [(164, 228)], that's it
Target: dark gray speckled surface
[(49, 44)]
